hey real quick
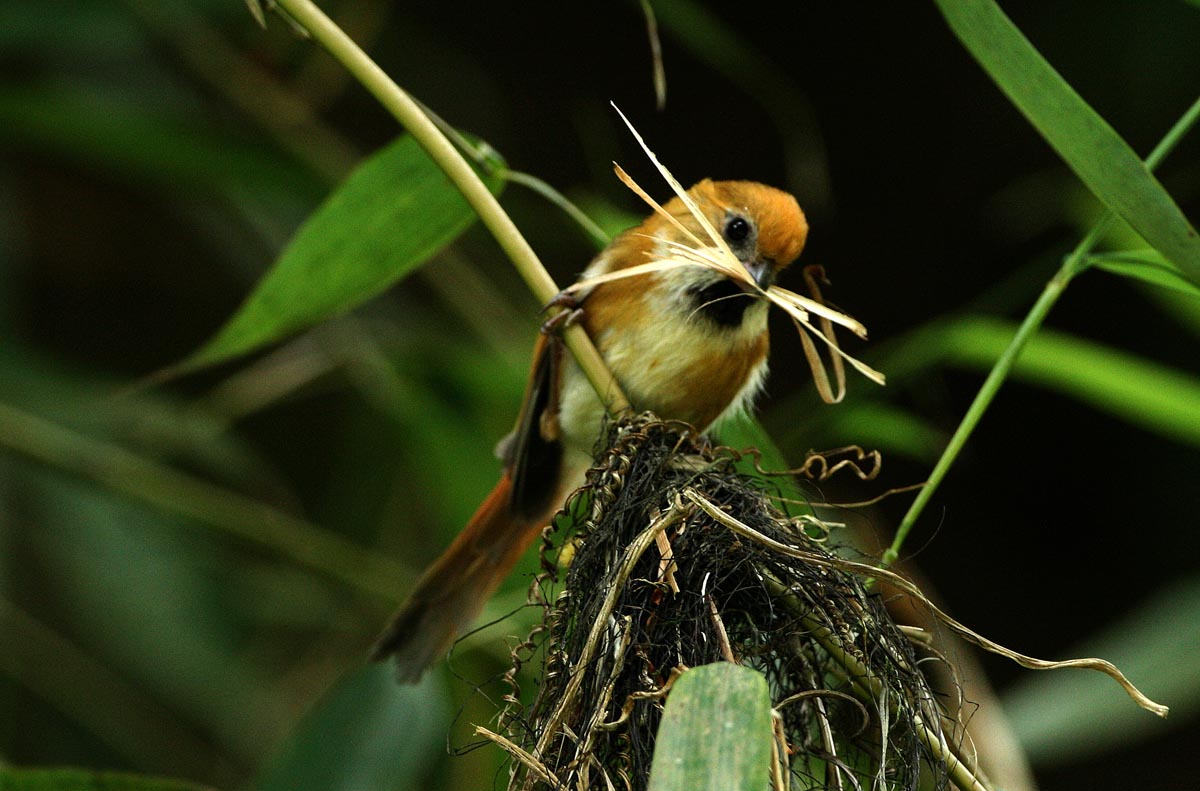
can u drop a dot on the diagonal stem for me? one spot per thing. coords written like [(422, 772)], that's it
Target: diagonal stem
[(1073, 264), (408, 112)]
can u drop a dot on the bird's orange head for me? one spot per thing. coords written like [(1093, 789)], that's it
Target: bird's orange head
[(763, 226)]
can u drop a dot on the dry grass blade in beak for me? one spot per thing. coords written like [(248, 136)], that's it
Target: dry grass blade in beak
[(714, 253)]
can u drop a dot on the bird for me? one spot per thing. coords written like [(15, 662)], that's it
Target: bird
[(687, 343)]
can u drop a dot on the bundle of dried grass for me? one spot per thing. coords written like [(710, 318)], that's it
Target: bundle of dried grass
[(679, 562)]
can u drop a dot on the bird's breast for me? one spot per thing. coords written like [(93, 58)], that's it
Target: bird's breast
[(669, 356)]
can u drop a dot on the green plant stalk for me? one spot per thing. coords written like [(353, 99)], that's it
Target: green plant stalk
[(485, 156), (1077, 261), (158, 485), (594, 231), (408, 112)]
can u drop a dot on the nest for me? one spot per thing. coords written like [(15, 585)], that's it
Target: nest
[(678, 561)]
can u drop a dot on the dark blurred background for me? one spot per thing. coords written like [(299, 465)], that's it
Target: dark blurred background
[(156, 156)]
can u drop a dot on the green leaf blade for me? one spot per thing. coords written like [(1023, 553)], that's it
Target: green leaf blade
[(391, 214), (1141, 391), (1084, 140), (716, 732), (1147, 266)]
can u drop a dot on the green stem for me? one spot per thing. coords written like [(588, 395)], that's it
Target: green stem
[(594, 231), (1074, 263), (486, 157), (408, 112), (1174, 135)]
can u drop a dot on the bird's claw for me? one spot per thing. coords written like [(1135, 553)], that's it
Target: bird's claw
[(569, 315)]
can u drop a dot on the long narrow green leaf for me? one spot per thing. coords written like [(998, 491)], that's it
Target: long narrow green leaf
[(1085, 141), (1146, 265), (1138, 390), (392, 213), (716, 732)]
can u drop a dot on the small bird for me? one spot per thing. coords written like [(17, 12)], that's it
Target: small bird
[(687, 343)]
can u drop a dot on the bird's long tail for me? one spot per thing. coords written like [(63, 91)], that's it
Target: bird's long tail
[(452, 592)]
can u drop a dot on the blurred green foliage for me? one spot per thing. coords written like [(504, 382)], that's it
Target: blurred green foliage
[(190, 573)]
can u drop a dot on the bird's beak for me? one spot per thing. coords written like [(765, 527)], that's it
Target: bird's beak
[(762, 270)]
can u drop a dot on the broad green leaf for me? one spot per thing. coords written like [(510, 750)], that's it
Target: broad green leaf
[(1085, 141), (79, 780), (365, 733), (1138, 390), (715, 733), (389, 216), (1146, 265)]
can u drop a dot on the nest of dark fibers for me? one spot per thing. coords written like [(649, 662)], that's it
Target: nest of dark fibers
[(635, 609)]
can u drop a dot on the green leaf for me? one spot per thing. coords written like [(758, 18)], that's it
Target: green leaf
[(744, 431), (1146, 265), (389, 216), (78, 780), (1138, 390), (871, 424), (715, 733), (1085, 141)]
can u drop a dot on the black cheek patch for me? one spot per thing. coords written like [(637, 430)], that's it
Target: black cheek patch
[(724, 303)]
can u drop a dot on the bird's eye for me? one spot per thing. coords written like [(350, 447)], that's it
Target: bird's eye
[(737, 229)]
